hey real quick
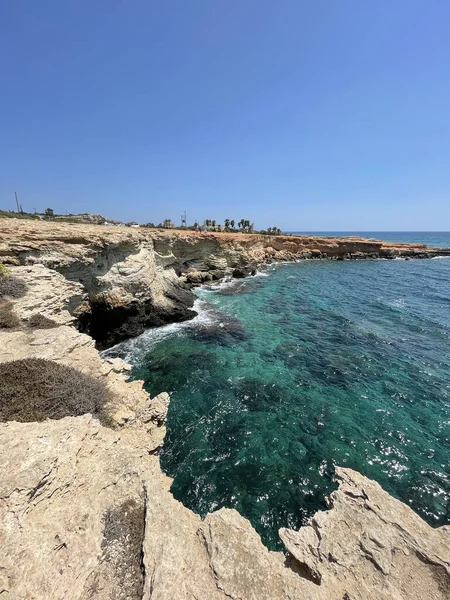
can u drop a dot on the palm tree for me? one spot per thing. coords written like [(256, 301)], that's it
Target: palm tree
[(213, 223), (232, 223), (227, 223), (241, 223)]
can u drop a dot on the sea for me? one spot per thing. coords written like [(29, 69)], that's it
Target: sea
[(305, 366)]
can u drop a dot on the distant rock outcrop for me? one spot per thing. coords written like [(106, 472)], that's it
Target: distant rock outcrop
[(87, 514), (139, 278)]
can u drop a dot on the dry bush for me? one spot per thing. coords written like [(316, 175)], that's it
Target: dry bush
[(123, 537), (35, 389), (12, 287), (8, 320), (39, 321)]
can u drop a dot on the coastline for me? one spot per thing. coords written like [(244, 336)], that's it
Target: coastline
[(62, 480), (138, 278)]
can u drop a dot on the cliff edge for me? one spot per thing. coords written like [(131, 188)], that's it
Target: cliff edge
[(140, 278), (86, 513)]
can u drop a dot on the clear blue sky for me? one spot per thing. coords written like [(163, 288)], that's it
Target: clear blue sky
[(309, 115)]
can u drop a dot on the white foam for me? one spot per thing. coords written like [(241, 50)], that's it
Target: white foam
[(226, 282), (207, 315), (130, 349), (261, 274)]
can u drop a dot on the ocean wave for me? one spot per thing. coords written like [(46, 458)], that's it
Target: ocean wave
[(209, 323), (131, 349)]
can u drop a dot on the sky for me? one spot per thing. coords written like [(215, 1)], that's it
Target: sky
[(311, 116)]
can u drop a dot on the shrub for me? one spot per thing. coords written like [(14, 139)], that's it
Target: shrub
[(123, 538), (35, 389), (39, 321), (8, 320), (12, 287), (4, 271)]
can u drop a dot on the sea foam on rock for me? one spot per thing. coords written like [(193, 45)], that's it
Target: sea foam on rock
[(134, 279), (86, 512)]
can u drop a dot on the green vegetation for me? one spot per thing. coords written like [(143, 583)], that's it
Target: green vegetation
[(4, 271), (35, 389), (244, 226), (9, 214)]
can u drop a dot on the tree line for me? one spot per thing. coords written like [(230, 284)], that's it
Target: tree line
[(229, 225)]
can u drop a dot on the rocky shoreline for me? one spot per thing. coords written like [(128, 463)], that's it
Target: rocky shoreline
[(85, 511), (135, 279)]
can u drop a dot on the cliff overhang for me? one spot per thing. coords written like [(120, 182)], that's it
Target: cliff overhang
[(136, 279)]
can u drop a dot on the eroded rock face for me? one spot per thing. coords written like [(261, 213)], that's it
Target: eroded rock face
[(86, 513), (137, 278), (370, 544)]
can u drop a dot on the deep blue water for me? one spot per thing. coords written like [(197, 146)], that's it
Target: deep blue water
[(437, 239), (313, 364)]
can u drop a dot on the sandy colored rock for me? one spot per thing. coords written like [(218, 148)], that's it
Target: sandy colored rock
[(48, 294), (370, 542), (87, 514), (139, 278)]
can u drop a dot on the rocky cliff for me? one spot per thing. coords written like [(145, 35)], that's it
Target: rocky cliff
[(138, 278), (86, 513)]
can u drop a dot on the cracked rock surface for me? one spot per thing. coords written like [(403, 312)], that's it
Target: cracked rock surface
[(138, 278), (86, 512)]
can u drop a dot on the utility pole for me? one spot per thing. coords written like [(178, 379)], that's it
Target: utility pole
[(17, 202)]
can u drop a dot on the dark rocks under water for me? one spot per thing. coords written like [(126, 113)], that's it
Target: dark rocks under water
[(323, 363), (109, 323)]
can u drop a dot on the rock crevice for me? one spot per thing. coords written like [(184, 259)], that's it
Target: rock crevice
[(134, 279), (87, 514)]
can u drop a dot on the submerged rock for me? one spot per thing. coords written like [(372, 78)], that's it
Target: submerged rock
[(223, 330), (87, 514), (138, 278)]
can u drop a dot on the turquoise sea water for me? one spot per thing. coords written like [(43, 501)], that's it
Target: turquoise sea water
[(311, 364), (436, 239)]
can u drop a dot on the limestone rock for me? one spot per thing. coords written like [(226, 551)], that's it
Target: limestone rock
[(136, 278), (372, 544), (86, 512), (57, 499), (155, 409), (49, 294)]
